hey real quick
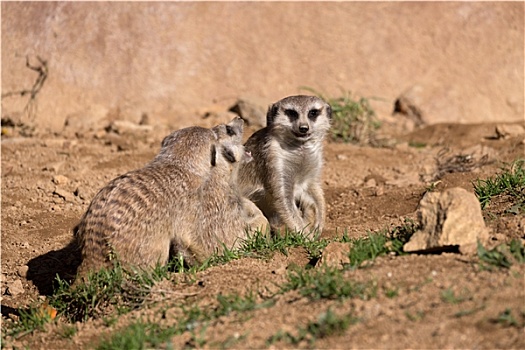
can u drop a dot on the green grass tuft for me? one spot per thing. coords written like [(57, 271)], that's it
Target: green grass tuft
[(327, 324), (139, 335), (107, 289), (379, 243), (511, 181), (326, 283), (503, 255)]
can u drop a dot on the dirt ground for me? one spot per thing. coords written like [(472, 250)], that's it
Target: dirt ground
[(48, 181)]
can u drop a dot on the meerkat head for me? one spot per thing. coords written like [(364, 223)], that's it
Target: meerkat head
[(188, 148), (229, 138), (302, 117), (229, 149)]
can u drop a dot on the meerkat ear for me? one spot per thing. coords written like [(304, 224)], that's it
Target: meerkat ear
[(329, 111), (165, 141), (213, 155), (272, 112), (228, 154)]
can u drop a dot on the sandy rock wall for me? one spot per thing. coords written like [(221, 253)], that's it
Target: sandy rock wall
[(462, 62)]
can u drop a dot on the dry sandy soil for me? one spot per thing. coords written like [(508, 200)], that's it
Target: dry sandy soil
[(48, 181)]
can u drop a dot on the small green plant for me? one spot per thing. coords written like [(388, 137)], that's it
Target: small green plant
[(506, 319), (416, 144), (417, 316), (353, 121), (468, 311), (511, 181), (327, 324), (139, 335), (382, 242), (67, 331), (449, 296), (262, 246), (108, 288), (503, 255), (391, 292), (32, 319), (326, 283)]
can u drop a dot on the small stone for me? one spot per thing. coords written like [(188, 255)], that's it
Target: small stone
[(379, 191), (341, 157), (60, 180), (22, 271), (335, 255), (506, 131), (54, 167), (15, 288), (123, 127), (66, 195), (371, 183), (81, 193)]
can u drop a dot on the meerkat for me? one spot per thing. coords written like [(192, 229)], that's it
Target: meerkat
[(225, 218), (284, 178), (145, 216), (136, 216)]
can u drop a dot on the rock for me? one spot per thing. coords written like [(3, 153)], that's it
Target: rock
[(409, 104), (123, 127), (15, 288), (252, 110), (335, 255), (449, 218), (506, 131), (60, 180), (22, 271), (66, 195), (82, 193), (481, 154), (54, 167)]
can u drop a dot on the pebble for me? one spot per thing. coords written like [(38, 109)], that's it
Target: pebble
[(60, 180), (66, 195), (22, 271), (15, 288), (54, 167)]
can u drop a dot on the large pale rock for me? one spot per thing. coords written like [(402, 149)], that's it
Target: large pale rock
[(450, 218)]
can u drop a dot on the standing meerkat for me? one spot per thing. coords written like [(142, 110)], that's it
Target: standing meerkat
[(284, 179), (144, 215)]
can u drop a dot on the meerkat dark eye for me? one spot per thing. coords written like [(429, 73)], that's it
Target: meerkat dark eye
[(313, 114), (230, 131), (291, 114), (228, 154), (213, 156)]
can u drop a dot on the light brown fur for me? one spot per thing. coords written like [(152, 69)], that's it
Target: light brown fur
[(224, 217), (284, 180), (145, 215)]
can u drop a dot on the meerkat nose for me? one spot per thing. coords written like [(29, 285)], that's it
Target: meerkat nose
[(303, 129)]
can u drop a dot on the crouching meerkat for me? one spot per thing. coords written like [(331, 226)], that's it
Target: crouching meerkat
[(224, 217), (143, 216), (284, 178)]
